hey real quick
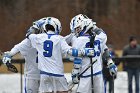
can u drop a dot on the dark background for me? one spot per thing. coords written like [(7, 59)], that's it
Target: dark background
[(119, 18)]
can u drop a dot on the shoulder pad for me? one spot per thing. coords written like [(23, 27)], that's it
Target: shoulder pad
[(98, 31)]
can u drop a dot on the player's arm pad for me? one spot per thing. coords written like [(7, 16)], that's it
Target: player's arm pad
[(76, 70), (107, 54)]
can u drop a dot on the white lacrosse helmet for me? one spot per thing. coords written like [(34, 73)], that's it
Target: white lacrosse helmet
[(55, 23), (83, 26), (75, 20)]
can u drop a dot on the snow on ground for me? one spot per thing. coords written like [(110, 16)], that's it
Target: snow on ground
[(10, 83)]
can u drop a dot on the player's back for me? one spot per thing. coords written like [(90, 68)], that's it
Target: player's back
[(50, 48), (30, 55)]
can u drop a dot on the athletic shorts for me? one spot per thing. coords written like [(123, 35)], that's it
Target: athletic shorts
[(85, 84), (52, 83), (31, 85)]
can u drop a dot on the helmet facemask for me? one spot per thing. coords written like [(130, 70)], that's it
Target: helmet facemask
[(83, 26), (75, 20)]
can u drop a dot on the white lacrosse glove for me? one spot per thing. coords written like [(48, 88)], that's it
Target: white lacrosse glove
[(6, 57), (112, 67), (75, 76), (88, 52), (82, 52)]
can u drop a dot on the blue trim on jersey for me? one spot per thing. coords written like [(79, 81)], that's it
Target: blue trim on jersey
[(25, 87), (51, 74), (49, 35), (100, 72)]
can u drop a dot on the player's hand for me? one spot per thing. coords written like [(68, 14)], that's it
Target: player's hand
[(6, 58), (88, 52), (112, 69), (75, 76)]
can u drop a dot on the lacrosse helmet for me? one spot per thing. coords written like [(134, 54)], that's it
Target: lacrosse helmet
[(53, 22), (83, 26), (75, 20)]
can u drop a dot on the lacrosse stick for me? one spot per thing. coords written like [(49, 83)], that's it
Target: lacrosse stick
[(71, 84), (113, 83), (92, 38)]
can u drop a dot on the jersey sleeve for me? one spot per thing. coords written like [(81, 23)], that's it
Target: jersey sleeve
[(33, 39), (104, 40), (69, 38), (22, 46), (64, 47)]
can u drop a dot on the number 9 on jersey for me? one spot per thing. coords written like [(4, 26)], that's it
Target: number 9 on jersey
[(48, 47)]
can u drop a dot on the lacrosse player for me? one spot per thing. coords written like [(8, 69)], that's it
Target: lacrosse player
[(81, 26), (50, 46), (31, 71)]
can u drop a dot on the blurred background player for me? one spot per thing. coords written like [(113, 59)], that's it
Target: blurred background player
[(81, 25), (51, 46), (108, 78), (31, 71), (132, 67)]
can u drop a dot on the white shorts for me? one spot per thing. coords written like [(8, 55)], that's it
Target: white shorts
[(52, 83), (85, 84), (31, 85)]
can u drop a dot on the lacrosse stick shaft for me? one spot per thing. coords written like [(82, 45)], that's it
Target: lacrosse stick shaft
[(92, 89), (92, 38), (113, 84)]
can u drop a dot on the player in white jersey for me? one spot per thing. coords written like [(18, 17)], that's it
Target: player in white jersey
[(31, 71), (82, 27), (51, 46)]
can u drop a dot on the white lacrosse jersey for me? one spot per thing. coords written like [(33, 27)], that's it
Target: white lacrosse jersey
[(30, 55), (50, 49), (99, 47)]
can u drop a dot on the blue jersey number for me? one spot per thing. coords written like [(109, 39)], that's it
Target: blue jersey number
[(48, 47), (97, 47)]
